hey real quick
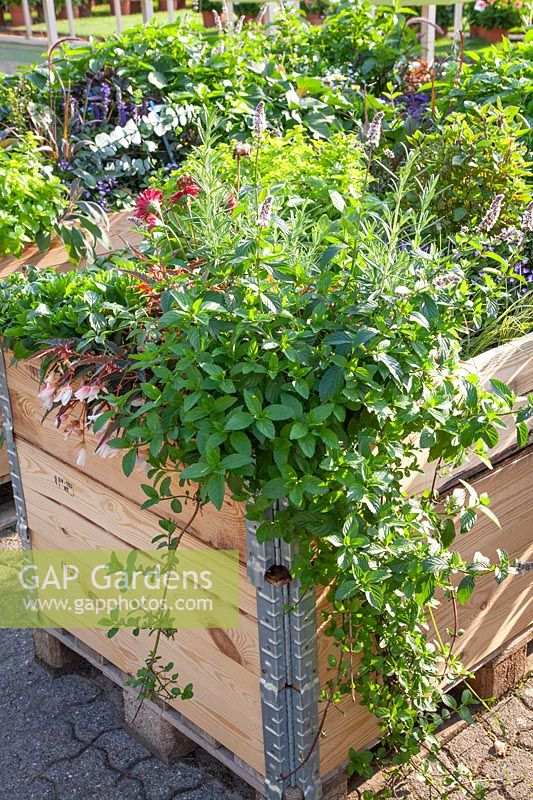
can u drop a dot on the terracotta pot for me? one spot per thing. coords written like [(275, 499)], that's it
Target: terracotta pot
[(17, 16), (86, 8), (125, 7), (491, 35), (209, 19), (314, 18), (63, 13)]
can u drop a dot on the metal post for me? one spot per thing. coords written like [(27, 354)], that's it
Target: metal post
[(16, 480), (427, 39), (50, 19), (289, 668), (457, 20), (70, 17), (230, 22), (118, 15), (148, 10), (171, 11), (27, 18)]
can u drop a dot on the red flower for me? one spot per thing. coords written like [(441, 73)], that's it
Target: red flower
[(186, 188), (148, 202), (231, 201)]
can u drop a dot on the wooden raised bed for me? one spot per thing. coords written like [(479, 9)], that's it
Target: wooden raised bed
[(120, 235), (96, 506)]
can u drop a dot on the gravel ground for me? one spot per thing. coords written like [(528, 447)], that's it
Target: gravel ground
[(62, 739)]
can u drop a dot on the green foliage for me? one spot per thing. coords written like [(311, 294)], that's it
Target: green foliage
[(295, 358), (503, 73), (296, 169), (503, 14), (476, 154), (33, 198)]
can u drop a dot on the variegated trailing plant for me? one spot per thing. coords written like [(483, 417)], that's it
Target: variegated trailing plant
[(282, 353)]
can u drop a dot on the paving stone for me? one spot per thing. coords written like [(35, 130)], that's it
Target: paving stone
[(92, 719), (126, 789), (512, 775), (526, 693), (86, 775), (525, 739), (509, 719), (162, 783), (232, 783), (471, 747), (121, 750), (209, 791), (21, 758)]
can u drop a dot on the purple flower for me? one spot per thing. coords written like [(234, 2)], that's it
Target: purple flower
[(415, 105), (105, 92), (374, 131), (492, 214)]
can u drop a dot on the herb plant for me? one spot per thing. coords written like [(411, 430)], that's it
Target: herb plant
[(33, 198), (297, 359)]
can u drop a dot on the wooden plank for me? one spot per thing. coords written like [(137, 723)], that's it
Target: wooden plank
[(55, 527), (5, 469), (98, 504), (224, 529), (223, 665), (495, 614), (511, 363), (120, 236)]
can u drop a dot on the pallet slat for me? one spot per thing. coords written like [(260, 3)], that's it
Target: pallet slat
[(511, 363), (224, 529), (120, 236)]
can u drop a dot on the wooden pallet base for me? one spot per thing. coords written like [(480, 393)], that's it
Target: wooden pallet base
[(165, 733), (57, 660)]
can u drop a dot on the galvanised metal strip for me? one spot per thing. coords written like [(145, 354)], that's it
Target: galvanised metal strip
[(305, 681), (289, 672), (16, 480)]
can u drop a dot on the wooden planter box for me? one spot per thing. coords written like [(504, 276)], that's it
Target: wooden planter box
[(96, 506), (120, 235)]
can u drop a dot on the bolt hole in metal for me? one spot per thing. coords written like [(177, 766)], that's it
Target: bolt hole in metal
[(278, 575)]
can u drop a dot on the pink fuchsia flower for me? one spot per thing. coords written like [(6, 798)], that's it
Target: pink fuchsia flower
[(47, 394), (232, 202), (87, 392), (148, 206), (64, 395), (104, 451), (480, 5), (186, 188)]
